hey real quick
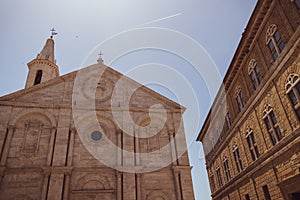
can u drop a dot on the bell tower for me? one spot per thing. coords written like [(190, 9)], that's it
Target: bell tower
[(43, 67)]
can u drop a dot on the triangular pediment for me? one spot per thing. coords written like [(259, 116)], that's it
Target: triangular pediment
[(101, 84)]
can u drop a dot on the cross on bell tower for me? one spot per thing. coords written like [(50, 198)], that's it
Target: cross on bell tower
[(53, 32), (100, 59)]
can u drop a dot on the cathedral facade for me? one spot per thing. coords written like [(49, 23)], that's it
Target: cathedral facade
[(117, 143), (251, 136)]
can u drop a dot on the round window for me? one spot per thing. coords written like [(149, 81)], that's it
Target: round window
[(96, 135)]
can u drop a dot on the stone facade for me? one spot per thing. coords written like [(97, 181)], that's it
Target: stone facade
[(251, 136), (44, 155)]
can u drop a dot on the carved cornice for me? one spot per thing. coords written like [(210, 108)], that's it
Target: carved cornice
[(180, 168), (68, 106), (57, 170), (91, 191), (247, 40), (44, 62)]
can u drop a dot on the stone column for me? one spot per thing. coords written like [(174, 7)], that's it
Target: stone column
[(138, 186), (59, 157), (129, 191), (177, 186), (67, 186), (45, 185), (70, 148), (55, 186), (119, 143), (51, 146), (119, 185), (172, 146), (137, 148), (46, 175), (67, 181), (11, 130)]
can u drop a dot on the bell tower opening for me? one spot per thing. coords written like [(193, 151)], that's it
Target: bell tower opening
[(38, 77)]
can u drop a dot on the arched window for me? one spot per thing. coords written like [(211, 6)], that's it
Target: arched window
[(219, 132), (271, 124), (292, 88), (266, 192), (239, 98), (219, 176), (237, 158), (228, 119), (212, 182), (38, 77), (254, 73), (274, 41), (252, 144), (226, 168)]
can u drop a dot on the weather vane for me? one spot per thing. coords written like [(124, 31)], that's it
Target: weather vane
[(53, 32)]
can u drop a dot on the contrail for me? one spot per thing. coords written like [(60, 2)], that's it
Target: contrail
[(160, 19)]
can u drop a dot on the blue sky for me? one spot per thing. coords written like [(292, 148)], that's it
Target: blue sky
[(83, 24)]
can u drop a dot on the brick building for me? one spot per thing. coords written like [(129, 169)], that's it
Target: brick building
[(111, 147), (251, 136)]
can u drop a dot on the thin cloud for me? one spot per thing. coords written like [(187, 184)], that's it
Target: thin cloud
[(161, 19)]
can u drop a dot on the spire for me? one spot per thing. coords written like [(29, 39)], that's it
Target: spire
[(43, 68), (47, 52)]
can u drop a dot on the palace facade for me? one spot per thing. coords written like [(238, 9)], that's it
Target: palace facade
[(251, 136)]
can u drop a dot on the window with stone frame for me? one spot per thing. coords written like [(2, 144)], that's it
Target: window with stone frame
[(252, 144), (237, 158), (212, 182), (292, 88), (31, 140), (228, 119), (226, 168), (274, 41), (219, 131), (272, 124), (219, 176), (266, 192), (38, 77), (239, 99), (254, 73), (247, 197)]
